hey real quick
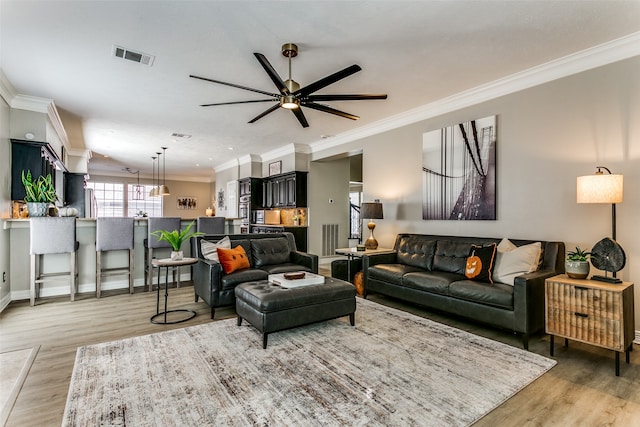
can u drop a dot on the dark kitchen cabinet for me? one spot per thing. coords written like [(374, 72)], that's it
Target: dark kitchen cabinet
[(37, 157), (285, 191), (74, 188)]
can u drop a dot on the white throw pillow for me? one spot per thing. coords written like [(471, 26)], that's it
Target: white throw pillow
[(210, 250), (512, 260)]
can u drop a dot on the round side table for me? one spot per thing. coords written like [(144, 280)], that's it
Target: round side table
[(168, 263)]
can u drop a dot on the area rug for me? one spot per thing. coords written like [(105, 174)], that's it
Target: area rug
[(392, 368), (14, 368)]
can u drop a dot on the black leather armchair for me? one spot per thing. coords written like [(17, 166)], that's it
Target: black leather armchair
[(267, 253)]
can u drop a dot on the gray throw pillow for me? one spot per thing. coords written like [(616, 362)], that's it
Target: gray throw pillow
[(210, 249)]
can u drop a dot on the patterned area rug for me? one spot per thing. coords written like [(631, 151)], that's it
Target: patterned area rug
[(392, 368)]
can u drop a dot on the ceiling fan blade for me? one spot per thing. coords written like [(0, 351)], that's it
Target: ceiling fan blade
[(272, 73), (235, 85), (300, 116), (326, 81), (330, 110), (264, 113), (239, 102), (355, 97)]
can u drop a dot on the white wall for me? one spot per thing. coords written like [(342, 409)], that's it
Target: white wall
[(5, 203), (546, 137)]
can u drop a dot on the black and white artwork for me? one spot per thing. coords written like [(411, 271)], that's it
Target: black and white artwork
[(187, 202), (459, 171)]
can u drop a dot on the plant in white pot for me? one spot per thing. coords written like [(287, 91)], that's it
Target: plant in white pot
[(39, 193), (176, 238), (577, 264)]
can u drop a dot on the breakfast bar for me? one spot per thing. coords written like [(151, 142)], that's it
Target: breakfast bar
[(86, 237)]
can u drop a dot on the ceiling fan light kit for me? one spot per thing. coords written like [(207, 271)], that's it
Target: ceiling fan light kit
[(291, 96)]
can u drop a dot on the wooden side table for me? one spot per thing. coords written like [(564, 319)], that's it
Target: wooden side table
[(591, 312)]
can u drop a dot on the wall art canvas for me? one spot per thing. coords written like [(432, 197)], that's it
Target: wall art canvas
[(186, 202), (459, 171)]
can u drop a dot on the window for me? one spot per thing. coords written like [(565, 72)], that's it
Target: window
[(152, 206), (111, 201), (109, 197)]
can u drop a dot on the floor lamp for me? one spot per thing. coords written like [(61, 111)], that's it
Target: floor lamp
[(601, 188)]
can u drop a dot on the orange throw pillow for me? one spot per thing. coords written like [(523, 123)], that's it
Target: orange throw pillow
[(233, 259)]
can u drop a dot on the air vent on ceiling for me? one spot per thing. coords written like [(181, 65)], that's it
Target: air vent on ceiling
[(132, 55), (180, 135)]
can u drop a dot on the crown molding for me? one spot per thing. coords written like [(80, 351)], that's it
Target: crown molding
[(606, 53), (7, 91), (233, 163), (249, 158), (286, 150), (80, 152)]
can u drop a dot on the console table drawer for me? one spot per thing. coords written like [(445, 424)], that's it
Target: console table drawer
[(589, 328), (592, 312), (600, 303)]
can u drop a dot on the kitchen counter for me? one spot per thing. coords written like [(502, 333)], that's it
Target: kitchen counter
[(19, 258)]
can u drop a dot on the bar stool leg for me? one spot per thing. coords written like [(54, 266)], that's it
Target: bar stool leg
[(73, 275), (32, 280), (131, 271), (98, 273)]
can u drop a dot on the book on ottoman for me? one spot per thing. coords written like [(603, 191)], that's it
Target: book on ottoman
[(291, 280)]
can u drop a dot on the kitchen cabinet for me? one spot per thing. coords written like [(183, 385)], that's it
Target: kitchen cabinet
[(74, 190), (40, 159), (288, 190)]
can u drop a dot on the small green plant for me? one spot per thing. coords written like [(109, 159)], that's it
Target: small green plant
[(41, 190), (578, 255), (176, 237)]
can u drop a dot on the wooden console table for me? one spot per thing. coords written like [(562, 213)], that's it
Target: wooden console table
[(591, 312)]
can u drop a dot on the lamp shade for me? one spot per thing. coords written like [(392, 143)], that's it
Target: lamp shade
[(371, 210), (599, 188)]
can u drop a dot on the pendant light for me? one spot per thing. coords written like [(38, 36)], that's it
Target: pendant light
[(163, 190), (154, 191), (137, 193)]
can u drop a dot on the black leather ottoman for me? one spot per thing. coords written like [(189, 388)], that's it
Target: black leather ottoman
[(270, 308)]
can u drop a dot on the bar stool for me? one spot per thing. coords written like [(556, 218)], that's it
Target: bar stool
[(152, 242), (52, 235), (114, 234)]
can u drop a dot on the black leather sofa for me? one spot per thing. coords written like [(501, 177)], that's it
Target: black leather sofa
[(268, 254), (429, 270)]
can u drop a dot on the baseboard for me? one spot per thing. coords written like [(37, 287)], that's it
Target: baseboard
[(63, 289), (5, 302)]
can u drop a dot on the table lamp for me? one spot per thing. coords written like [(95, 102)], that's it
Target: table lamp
[(371, 211)]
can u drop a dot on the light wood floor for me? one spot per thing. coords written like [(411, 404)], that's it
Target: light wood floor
[(582, 390)]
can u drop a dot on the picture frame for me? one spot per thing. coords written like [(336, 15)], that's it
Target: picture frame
[(187, 202), (459, 171), (275, 168)]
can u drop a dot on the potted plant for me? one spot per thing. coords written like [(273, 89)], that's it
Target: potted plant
[(577, 264), (39, 193), (176, 238)]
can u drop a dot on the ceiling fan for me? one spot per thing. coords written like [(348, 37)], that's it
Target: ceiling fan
[(291, 96)]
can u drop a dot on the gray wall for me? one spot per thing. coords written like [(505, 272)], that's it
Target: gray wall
[(547, 136), (328, 181)]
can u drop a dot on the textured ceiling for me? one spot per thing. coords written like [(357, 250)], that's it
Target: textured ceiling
[(417, 52)]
